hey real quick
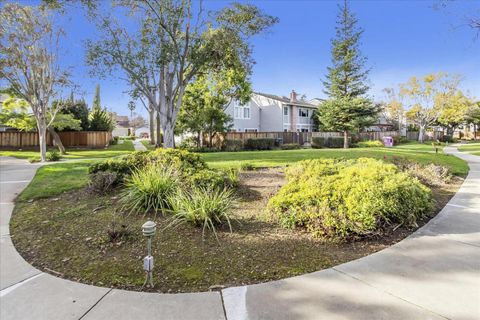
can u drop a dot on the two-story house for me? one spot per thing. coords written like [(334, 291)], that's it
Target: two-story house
[(268, 112)]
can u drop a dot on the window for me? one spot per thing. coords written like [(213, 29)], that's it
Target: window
[(303, 113), (285, 111), (242, 112), (251, 130)]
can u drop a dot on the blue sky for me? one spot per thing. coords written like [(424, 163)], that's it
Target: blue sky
[(401, 39)]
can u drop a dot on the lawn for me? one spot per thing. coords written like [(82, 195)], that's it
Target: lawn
[(147, 144), (422, 153), (473, 148), (77, 153)]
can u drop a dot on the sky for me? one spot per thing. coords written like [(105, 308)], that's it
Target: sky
[(401, 39)]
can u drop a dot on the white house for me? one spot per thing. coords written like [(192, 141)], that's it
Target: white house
[(267, 112)]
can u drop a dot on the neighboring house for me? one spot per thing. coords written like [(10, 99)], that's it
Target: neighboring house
[(143, 131), (270, 113), (122, 126)]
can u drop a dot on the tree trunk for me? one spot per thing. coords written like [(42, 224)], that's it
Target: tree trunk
[(345, 139), (151, 123), (474, 131), (199, 141), (158, 140), (421, 134), (42, 139), (57, 140), (168, 135)]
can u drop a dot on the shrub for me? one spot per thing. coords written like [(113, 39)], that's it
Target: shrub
[(290, 146), (53, 156), (399, 140), (149, 189), (203, 208), (189, 143), (329, 142), (447, 138), (114, 141), (208, 178), (349, 198), (260, 144), (103, 182), (233, 145), (370, 144), (431, 174)]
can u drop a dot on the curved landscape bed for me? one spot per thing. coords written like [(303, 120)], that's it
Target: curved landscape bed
[(87, 239)]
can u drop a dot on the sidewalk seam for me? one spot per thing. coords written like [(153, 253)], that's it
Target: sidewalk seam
[(223, 304), (389, 293), (95, 304)]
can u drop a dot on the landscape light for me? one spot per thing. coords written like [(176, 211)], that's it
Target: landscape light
[(148, 229)]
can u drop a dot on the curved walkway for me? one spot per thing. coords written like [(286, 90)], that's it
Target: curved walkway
[(433, 274)]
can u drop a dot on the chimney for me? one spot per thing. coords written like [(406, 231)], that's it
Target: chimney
[(293, 96)]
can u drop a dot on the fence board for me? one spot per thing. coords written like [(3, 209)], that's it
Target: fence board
[(94, 139)]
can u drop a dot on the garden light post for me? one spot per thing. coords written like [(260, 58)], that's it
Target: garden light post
[(148, 229)]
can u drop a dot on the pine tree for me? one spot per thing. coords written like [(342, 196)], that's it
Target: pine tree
[(96, 99), (348, 109), (347, 77)]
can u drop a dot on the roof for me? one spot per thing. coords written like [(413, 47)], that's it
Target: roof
[(287, 100)]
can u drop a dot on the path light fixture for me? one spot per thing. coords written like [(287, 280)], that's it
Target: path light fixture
[(148, 229)]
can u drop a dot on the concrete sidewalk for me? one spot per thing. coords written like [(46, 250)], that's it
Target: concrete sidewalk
[(433, 274)]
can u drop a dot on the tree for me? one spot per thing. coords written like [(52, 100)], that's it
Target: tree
[(79, 110), (346, 115), (347, 76), (177, 42), (427, 97), (473, 117), (393, 110), (29, 46), (346, 82), (454, 111), (100, 120)]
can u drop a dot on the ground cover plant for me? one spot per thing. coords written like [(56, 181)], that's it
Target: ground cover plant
[(350, 198)]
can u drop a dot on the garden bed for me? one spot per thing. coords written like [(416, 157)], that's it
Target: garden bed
[(67, 235)]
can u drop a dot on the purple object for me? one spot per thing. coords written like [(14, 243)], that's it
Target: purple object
[(388, 141)]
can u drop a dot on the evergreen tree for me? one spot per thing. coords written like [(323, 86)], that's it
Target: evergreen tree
[(96, 99), (348, 109), (100, 120), (347, 77)]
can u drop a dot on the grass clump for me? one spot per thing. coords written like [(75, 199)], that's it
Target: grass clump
[(370, 144), (349, 198), (149, 189), (290, 146), (206, 208)]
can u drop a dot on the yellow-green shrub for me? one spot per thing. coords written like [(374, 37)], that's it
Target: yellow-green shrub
[(349, 198)]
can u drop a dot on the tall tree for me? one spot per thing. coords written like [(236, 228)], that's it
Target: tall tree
[(178, 42), (473, 118), (393, 109), (29, 46), (428, 97), (346, 82), (454, 110)]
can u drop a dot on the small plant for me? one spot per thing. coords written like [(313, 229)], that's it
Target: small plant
[(290, 146), (114, 141), (370, 144), (149, 189), (233, 180), (103, 182), (34, 159), (117, 231), (53, 156), (203, 208), (246, 166)]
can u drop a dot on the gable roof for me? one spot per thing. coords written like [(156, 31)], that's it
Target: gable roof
[(286, 100)]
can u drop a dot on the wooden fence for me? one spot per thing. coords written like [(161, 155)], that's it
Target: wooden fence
[(429, 135), (92, 139)]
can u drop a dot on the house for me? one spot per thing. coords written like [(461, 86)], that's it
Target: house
[(270, 113), (122, 126)]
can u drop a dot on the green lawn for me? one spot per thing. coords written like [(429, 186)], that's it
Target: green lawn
[(148, 145), (473, 148), (76, 153), (57, 178), (422, 153)]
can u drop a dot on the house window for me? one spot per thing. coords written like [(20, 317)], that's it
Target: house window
[(303, 113), (251, 130), (285, 111), (242, 112)]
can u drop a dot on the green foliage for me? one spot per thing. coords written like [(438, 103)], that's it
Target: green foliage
[(290, 146), (204, 208), (247, 166), (114, 141), (96, 99), (150, 189), (34, 159), (346, 78), (100, 120), (260, 144), (329, 142), (370, 144), (53, 156), (233, 145), (349, 198), (208, 178), (78, 109)]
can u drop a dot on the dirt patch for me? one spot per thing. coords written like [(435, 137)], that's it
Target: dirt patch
[(70, 236)]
